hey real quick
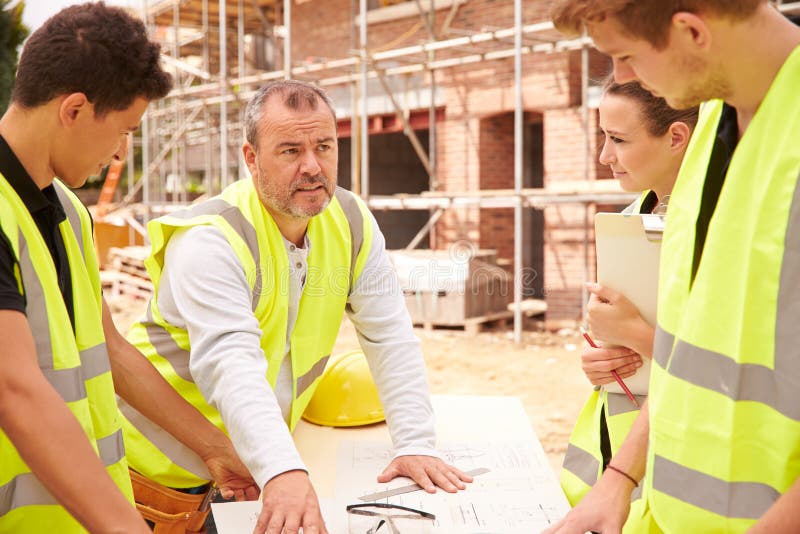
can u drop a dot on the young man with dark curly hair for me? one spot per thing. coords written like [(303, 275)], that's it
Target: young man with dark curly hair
[(84, 80)]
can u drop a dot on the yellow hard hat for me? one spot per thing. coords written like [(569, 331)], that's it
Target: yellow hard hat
[(346, 394)]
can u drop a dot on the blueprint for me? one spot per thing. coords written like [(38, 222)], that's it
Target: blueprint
[(518, 494)]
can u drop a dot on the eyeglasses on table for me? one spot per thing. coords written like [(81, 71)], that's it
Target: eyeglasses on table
[(384, 518)]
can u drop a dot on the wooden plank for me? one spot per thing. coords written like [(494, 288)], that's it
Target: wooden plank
[(471, 325), (474, 325)]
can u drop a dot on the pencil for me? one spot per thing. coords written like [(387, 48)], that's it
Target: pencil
[(613, 372)]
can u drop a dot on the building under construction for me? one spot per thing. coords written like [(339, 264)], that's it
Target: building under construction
[(462, 123)]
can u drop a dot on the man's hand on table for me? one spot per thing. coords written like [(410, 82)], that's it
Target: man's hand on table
[(428, 472), (288, 503)]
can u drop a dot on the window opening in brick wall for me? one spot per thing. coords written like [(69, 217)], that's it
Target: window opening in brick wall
[(393, 168)]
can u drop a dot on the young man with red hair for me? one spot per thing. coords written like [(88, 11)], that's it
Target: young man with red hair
[(718, 445)]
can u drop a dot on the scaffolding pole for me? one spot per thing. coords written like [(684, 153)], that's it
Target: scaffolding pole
[(400, 113), (586, 150), (518, 116), (172, 177), (362, 34), (436, 214), (498, 198), (223, 89), (241, 71), (145, 178), (287, 39), (355, 124), (208, 183), (166, 150), (433, 180)]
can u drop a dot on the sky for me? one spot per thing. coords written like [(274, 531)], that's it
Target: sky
[(37, 11)]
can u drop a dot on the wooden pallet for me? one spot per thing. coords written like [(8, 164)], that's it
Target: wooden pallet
[(473, 325), (127, 275), (118, 284), (129, 260)]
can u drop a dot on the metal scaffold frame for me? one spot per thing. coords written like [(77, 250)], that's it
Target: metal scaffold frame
[(206, 108)]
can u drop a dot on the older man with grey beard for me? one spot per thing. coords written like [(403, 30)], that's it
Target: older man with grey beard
[(251, 287)]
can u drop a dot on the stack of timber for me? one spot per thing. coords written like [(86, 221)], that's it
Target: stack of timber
[(126, 274)]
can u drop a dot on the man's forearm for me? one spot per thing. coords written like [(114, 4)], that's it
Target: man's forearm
[(226, 363), (138, 382), (400, 376), (782, 517), (52, 442)]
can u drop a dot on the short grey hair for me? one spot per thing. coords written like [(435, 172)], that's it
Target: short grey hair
[(296, 95)]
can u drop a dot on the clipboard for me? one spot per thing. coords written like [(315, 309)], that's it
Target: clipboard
[(628, 249)]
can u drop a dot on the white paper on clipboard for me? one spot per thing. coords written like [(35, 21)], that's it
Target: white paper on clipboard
[(628, 248)]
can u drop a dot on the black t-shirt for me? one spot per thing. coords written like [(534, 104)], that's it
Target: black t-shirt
[(721, 154), (46, 210), (649, 203)]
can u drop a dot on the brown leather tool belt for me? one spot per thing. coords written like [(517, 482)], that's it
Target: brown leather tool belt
[(171, 511)]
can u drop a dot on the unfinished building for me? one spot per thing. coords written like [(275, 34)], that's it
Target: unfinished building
[(462, 123)]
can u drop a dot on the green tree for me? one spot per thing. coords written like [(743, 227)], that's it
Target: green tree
[(12, 33)]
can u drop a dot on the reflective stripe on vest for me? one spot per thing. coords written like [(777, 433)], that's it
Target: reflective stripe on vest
[(69, 383), (725, 390), (26, 490), (237, 212), (74, 363), (582, 464)]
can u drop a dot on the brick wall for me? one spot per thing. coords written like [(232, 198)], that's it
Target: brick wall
[(474, 140), (496, 169)]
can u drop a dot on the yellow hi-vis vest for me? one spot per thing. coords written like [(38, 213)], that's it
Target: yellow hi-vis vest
[(583, 462), (725, 384), (341, 238), (75, 363)]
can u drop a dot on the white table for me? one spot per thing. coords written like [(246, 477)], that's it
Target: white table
[(503, 501)]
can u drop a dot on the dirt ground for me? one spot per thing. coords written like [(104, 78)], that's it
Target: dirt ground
[(543, 371)]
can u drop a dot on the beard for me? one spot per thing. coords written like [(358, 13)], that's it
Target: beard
[(281, 199), (712, 85)]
